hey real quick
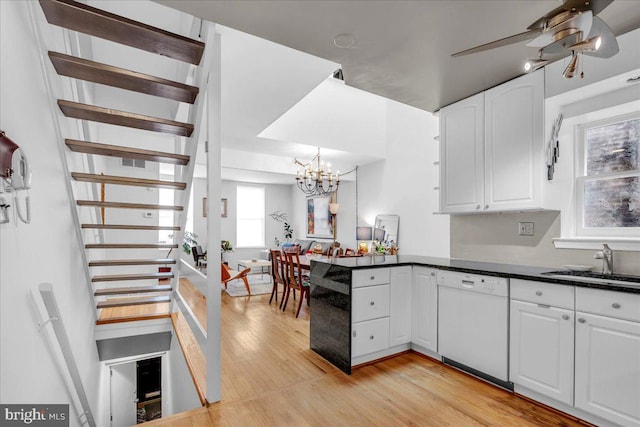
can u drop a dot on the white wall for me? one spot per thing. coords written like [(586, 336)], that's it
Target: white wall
[(277, 198), (404, 183), (45, 250), (180, 389)]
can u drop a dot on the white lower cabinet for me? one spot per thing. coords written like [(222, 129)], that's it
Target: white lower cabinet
[(400, 306), (541, 349), (424, 322), (369, 336), (607, 361)]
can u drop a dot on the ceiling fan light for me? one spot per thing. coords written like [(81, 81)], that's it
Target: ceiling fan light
[(571, 69), (590, 45), (533, 64)]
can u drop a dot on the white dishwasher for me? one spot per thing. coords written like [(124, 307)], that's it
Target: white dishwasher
[(473, 321)]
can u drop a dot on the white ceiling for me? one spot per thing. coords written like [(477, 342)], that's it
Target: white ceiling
[(402, 48)]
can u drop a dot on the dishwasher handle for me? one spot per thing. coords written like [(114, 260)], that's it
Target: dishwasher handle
[(468, 283)]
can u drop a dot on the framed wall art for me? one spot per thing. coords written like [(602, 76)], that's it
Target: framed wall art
[(319, 219)]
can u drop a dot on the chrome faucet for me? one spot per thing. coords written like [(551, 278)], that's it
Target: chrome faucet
[(606, 255)]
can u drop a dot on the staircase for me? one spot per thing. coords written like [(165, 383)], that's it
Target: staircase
[(128, 300)]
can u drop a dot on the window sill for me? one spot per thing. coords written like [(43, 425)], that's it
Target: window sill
[(595, 243)]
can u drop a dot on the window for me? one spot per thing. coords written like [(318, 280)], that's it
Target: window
[(608, 178), (251, 213)]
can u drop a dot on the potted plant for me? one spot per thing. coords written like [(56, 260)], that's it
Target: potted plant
[(188, 241), (225, 246)]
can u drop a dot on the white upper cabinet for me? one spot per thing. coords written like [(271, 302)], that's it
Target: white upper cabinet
[(513, 143), (462, 155), (491, 149)]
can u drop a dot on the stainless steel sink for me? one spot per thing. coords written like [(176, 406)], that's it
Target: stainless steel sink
[(591, 277)]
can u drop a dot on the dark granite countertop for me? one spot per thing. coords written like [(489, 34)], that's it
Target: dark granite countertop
[(492, 269)]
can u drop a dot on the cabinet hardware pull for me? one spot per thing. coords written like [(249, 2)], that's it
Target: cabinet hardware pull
[(581, 320), (544, 306), (371, 337), (486, 206), (477, 206), (371, 303), (539, 293), (565, 316), (372, 277), (615, 305), (354, 334), (468, 282), (433, 273)]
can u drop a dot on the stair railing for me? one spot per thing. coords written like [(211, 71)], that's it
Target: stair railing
[(55, 118), (55, 319)]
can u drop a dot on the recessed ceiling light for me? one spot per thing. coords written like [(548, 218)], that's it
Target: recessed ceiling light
[(635, 79), (344, 41)]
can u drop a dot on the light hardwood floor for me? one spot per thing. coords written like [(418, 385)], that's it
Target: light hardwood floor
[(270, 377)]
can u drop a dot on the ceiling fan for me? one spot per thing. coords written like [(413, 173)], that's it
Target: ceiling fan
[(572, 28)]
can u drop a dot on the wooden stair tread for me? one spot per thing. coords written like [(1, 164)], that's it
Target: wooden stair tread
[(123, 118), (90, 20), (96, 72), (125, 152), (122, 277), (130, 227), (117, 262), (193, 355), (134, 313), (123, 302), (132, 290), (130, 245), (98, 204), (125, 180)]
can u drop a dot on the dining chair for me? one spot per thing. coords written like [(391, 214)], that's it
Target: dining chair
[(277, 271), (349, 252), (335, 252), (296, 281)]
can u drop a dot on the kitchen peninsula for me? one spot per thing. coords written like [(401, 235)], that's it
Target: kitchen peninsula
[(367, 308)]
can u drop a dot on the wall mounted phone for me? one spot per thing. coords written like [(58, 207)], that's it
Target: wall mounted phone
[(16, 176)]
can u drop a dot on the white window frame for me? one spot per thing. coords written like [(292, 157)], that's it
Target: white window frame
[(259, 215), (581, 178)]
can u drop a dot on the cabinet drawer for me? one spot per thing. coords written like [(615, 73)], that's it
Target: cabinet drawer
[(370, 276), (620, 305), (543, 293), (370, 302), (370, 336)]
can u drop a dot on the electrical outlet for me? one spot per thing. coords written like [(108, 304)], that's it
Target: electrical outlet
[(525, 228)]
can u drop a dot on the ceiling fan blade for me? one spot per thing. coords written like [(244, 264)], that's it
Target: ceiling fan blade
[(527, 35), (595, 6), (609, 46)]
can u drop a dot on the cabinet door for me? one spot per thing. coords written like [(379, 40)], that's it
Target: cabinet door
[(369, 337), (424, 324), (514, 143), (400, 312), (541, 353), (462, 155), (608, 368)]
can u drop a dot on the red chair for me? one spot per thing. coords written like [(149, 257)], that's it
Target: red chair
[(296, 280), (228, 275)]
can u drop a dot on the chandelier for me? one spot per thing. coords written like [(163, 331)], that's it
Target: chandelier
[(316, 178)]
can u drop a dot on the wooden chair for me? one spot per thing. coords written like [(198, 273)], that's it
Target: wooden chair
[(349, 252), (335, 252), (228, 275), (296, 280), (277, 273)]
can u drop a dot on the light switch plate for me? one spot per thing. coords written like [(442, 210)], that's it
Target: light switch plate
[(525, 228)]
